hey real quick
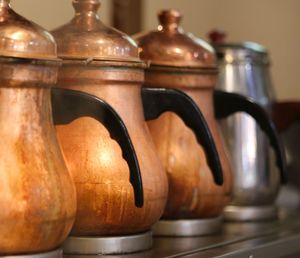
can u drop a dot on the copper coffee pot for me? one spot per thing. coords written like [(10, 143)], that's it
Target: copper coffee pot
[(37, 194), (182, 61), (105, 62)]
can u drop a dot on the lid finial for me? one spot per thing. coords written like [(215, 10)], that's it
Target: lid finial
[(4, 2), (169, 20), (84, 6), (4, 5), (217, 36)]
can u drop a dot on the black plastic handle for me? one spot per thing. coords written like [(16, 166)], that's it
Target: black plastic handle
[(157, 101), (68, 105), (227, 104)]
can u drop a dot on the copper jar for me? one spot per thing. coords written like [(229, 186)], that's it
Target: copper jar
[(37, 191), (37, 195), (178, 60), (105, 62), (182, 61)]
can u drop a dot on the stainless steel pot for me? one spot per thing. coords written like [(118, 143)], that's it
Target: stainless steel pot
[(244, 69)]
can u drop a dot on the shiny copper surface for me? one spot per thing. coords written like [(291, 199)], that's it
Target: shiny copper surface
[(105, 196), (21, 38), (88, 38), (192, 191), (171, 46), (37, 195)]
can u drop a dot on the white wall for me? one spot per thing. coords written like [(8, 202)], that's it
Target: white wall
[(273, 23)]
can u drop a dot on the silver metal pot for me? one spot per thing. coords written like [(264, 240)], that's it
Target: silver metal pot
[(244, 69)]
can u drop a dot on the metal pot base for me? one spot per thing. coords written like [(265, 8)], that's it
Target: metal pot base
[(53, 254), (108, 245), (188, 228), (253, 213)]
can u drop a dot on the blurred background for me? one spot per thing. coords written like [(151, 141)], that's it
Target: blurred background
[(273, 23)]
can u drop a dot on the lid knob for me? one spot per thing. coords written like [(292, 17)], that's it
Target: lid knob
[(86, 6), (217, 36), (169, 20), (4, 5), (4, 2)]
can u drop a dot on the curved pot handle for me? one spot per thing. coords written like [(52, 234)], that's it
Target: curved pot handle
[(157, 101), (285, 114), (68, 105), (227, 104)]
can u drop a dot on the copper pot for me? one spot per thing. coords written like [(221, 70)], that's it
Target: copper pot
[(182, 61), (36, 191), (104, 62), (37, 194)]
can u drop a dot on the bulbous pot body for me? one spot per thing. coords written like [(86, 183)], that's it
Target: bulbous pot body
[(37, 194), (192, 190), (105, 198)]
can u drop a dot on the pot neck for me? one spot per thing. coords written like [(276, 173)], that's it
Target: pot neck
[(86, 14), (169, 21), (87, 9)]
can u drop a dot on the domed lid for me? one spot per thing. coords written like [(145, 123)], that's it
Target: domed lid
[(86, 37), (238, 52), (21, 38), (171, 46)]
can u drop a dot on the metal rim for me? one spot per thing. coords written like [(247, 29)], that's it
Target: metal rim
[(21, 60), (108, 245), (103, 62), (252, 213), (181, 69), (53, 254), (188, 228)]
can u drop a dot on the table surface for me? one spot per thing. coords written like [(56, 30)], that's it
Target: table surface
[(279, 238), (269, 239)]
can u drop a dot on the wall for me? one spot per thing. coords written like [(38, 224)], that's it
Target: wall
[(273, 23)]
